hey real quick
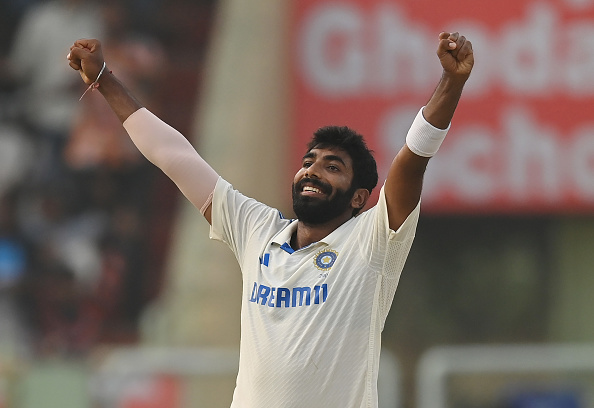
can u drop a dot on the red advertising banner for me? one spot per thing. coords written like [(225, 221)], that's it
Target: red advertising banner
[(522, 139)]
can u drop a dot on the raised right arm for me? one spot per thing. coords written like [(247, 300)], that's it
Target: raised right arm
[(161, 144)]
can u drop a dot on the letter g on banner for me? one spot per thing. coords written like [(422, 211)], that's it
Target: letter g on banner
[(331, 48)]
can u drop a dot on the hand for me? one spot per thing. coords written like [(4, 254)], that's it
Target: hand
[(86, 57), (455, 54)]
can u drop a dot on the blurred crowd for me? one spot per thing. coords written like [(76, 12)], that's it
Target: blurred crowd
[(79, 206)]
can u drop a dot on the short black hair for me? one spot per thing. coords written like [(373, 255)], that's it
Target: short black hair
[(364, 165)]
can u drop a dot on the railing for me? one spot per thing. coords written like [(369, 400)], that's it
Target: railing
[(554, 366)]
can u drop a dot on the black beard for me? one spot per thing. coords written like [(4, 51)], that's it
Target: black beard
[(314, 210)]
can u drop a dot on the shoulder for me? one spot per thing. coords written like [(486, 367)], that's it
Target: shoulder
[(228, 199), (377, 218)]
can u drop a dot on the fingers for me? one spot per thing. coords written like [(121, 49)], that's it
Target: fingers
[(455, 53), (85, 56), (464, 51), (77, 54), (452, 43), (460, 41), (74, 64), (84, 49), (447, 43), (89, 44)]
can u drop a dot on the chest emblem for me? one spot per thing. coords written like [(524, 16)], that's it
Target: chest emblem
[(325, 259)]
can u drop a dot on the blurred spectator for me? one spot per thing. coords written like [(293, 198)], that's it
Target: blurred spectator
[(84, 212), (75, 194), (15, 334), (49, 91), (16, 156)]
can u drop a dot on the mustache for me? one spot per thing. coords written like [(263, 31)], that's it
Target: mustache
[(324, 187)]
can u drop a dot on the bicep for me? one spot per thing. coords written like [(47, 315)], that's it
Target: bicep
[(403, 185)]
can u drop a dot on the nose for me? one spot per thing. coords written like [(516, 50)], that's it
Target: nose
[(312, 171)]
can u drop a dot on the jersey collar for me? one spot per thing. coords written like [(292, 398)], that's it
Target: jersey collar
[(284, 236)]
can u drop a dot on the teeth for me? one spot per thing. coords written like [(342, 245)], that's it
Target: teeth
[(312, 189)]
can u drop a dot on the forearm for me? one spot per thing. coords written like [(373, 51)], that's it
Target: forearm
[(429, 129), (440, 109), (423, 140), (121, 101), (169, 150)]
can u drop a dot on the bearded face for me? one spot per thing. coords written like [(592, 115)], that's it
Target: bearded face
[(316, 209)]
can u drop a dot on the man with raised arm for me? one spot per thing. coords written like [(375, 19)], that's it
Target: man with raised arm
[(316, 289)]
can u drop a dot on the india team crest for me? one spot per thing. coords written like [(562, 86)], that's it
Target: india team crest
[(325, 259)]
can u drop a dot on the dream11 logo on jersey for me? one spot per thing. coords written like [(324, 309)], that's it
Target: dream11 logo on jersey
[(523, 135)]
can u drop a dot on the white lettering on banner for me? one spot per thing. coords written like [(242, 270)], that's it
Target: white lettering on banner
[(580, 73), (531, 160), (579, 4), (527, 161), (581, 161), (522, 154), (397, 66), (371, 51), (473, 159), (526, 60), (382, 52), (336, 74)]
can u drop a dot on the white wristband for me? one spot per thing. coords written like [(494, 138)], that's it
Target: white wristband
[(423, 138)]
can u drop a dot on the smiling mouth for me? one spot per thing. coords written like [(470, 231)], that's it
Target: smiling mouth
[(309, 189), (312, 188)]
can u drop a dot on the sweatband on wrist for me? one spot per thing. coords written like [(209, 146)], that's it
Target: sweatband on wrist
[(423, 138)]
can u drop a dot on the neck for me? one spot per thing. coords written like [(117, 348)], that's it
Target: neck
[(307, 234)]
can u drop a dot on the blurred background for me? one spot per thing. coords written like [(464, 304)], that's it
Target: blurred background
[(112, 295)]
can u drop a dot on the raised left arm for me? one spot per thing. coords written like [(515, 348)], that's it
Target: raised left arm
[(405, 176)]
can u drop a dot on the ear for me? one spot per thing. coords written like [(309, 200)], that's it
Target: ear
[(360, 198)]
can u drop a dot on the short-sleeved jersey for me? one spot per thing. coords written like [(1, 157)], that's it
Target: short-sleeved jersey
[(311, 318)]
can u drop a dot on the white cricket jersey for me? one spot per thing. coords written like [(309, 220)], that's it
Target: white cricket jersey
[(311, 319)]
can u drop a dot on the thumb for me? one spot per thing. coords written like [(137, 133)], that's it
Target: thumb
[(77, 54), (86, 56), (445, 47)]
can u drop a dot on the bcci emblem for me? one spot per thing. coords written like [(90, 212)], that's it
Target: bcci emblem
[(325, 259)]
